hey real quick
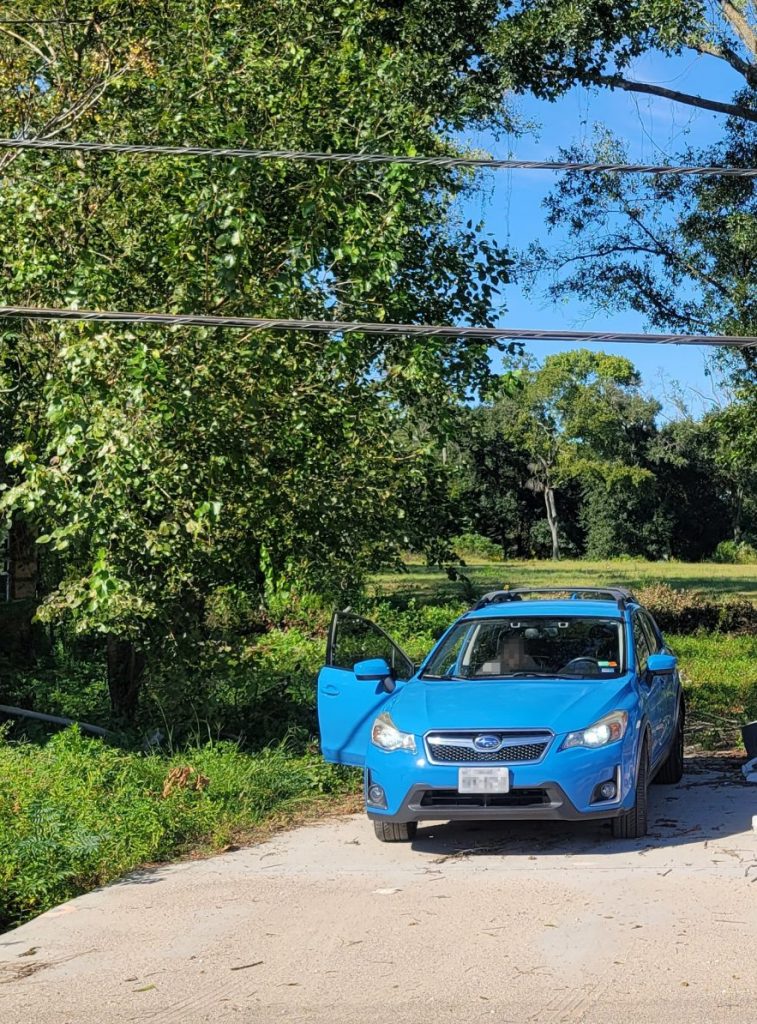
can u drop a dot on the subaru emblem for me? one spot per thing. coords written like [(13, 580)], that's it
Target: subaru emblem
[(486, 742)]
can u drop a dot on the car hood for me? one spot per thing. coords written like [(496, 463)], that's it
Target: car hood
[(561, 705)]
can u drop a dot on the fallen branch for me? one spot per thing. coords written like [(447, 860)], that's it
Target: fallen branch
[(55, 719)]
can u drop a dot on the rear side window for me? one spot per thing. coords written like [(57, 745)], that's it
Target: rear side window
[(641, 644), (649, 631)]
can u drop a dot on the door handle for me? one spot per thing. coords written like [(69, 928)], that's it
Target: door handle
[(330, 691)]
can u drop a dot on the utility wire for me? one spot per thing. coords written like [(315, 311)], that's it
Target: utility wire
[(373, 158), (491, 334)]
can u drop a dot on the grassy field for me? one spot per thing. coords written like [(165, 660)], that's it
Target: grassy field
[(720, 678), (428, 584)]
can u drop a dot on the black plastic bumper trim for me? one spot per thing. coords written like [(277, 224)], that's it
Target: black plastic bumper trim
[(558, 808)]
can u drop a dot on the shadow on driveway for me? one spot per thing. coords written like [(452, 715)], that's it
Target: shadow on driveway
[(712, 802)]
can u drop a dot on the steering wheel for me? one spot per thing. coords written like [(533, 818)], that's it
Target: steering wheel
[(583, 660)]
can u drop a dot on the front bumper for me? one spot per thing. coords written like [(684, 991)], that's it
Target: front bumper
[(558, 787), (423, 803)]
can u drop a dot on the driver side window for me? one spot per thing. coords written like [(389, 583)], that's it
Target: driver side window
[(353, 639)]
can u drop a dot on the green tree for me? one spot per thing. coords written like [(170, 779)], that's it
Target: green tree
[(158, 466), (696, 491), (681, 252), (494, 473), (580, 416), (734, 448), (621, 518)]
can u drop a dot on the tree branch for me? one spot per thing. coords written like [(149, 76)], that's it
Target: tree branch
[(674, 258), (26, 42), (740, 25), (732, 109), (724, 52)]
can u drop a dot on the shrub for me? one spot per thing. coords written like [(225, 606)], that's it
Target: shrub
[(732, 552), (687, 611), (417, 626)]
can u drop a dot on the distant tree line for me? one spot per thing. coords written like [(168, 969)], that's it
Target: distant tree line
[(572, 459)]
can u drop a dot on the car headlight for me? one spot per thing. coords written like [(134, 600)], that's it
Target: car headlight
[(607, 730), (387, 736)]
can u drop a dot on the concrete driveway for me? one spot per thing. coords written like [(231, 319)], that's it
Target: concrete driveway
[(471, 923)]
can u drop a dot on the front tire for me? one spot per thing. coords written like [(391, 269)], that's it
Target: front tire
[(395, 831), (672, 768), (633, 824)]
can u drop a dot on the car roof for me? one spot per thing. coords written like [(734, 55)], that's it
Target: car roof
[(533, 608)]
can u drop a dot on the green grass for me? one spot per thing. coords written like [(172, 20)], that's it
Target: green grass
[(76, 813), (720, 676), (714, 579)]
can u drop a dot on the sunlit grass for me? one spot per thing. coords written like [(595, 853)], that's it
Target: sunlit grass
[(76, 813), (719, 672), (712, 578)]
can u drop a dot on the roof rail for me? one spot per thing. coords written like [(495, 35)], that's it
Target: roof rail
[(620, 595)]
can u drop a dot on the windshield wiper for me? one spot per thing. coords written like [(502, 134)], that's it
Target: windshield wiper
[(530, 674), (527, 674)]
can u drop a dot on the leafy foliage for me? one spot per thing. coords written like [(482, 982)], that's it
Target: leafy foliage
[(161, 467), (548, 46), (680, 251), (734, 553)]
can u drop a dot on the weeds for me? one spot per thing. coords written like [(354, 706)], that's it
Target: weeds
[(77, 813)]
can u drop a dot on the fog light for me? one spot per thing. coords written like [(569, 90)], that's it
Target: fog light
[(376, 796), (605, 792)]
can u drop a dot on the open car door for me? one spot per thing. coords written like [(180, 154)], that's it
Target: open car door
[(347, 705)]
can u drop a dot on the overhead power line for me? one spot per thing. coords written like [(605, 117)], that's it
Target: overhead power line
[(491, 334), (307, 156)]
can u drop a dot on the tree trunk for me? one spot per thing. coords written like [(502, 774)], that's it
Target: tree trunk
[(737, 515), (126, 666), (22, 561), (549, 502)]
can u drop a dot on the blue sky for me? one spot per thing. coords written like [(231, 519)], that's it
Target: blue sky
[(652, 128)]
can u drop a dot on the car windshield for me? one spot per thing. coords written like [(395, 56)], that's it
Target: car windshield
[(511, 648)]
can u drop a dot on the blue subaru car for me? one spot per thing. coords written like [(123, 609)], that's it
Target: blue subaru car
[(535, 704)]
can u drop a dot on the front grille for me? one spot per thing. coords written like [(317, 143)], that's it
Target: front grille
[(515, 798), (521, 752), (460, 748)]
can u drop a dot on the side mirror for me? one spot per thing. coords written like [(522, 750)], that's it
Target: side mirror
[(375, 670), (661, 664)]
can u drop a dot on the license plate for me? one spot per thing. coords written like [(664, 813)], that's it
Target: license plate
[(483, 780)]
